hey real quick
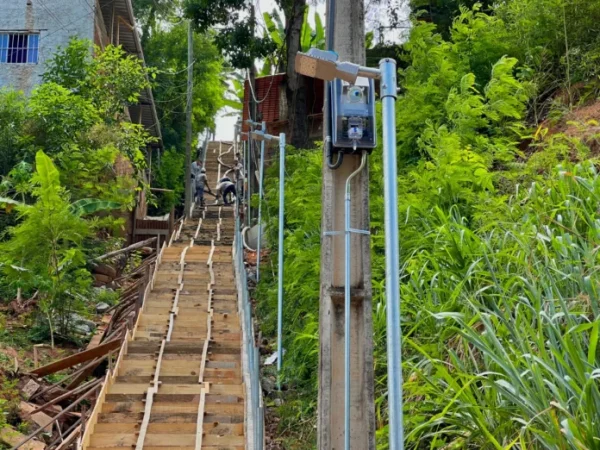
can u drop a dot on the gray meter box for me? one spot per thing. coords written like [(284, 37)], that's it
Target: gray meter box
[(354, 114)]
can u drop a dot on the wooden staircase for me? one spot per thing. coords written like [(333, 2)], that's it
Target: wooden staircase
[(177, 384)]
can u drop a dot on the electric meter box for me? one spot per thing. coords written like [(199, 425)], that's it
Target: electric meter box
[(354, 114)]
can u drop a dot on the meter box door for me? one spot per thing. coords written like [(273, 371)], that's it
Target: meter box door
[(354, 114)]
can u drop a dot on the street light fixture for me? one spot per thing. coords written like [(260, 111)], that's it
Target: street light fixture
[(324, 65)]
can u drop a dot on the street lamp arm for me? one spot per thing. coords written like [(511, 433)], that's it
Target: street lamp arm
[(324, 65)]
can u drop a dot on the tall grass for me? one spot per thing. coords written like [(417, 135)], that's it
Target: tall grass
[(502, 347), (500, 317)]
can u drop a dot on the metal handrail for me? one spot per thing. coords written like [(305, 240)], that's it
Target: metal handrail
[(256, 403)]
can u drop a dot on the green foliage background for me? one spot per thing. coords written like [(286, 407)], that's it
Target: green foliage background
[(499, 262), (60, 151)]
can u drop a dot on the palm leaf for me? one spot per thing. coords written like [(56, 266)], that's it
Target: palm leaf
[(280, 26), (267, 67), (273, 30), (369, 39), (47, 176), (319, 40), (233, 104), (307, 33)]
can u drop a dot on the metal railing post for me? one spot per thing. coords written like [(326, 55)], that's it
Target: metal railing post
[(280, 262), (392, 252), (253, 349), (260, 199)]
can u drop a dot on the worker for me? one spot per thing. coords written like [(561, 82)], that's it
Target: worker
[(196, 167), (225, 190), (201, 182)]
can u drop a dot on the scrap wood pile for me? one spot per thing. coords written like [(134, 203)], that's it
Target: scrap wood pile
[(58, 411)]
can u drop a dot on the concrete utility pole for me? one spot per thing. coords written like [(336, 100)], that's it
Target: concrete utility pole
[(253, 115), (188, 113), (347, 19)]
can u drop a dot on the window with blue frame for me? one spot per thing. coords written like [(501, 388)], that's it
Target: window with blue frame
[(19, 48)]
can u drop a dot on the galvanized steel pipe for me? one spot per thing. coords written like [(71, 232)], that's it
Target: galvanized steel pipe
[(260, 198), (347, 300), (280, 262), (392, 253)]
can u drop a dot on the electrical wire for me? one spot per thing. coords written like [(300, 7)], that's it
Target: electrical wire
[(78, 19), (327, 119), (51, 13), (164, 72), (258, 102)]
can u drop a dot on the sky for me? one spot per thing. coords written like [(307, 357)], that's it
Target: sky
[(225, 122)]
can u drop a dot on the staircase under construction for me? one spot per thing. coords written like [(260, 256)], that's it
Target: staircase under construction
[(178, 382)]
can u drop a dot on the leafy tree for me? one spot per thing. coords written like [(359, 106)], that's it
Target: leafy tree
[(166, 49), (236, 35), (77, 116), (12, 119), (443, 12), (277, 33), (111, 79), (169, 175), (149, 13), (238, 40)]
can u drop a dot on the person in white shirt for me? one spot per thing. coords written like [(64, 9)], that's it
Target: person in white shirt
[(226, 190), (201, 182), (196, 168)]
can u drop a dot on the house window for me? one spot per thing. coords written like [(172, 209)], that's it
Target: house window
[(19, 48)]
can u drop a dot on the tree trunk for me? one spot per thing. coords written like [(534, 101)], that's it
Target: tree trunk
[(296, 85)]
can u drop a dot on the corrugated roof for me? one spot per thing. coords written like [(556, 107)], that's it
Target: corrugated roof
[(270, 92)]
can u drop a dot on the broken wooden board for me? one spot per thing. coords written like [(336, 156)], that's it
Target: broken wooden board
[(12, 437), (77, 358), (41, 419)]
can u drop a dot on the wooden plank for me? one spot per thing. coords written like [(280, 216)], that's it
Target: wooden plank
[(172, 428), (12, 437), (200, 421), (126, 249), (205, 348), (224, 429), (220, 441), (77, 358), (66, 443), (139, 442), (198, 229), (178, 440), (225, 408), (30, 411), (227, 389), (113, 440), (153, 428), (122, 407), (150, 399)]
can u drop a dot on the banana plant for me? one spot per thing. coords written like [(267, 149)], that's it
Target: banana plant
[(234, 96), (275, 30)]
